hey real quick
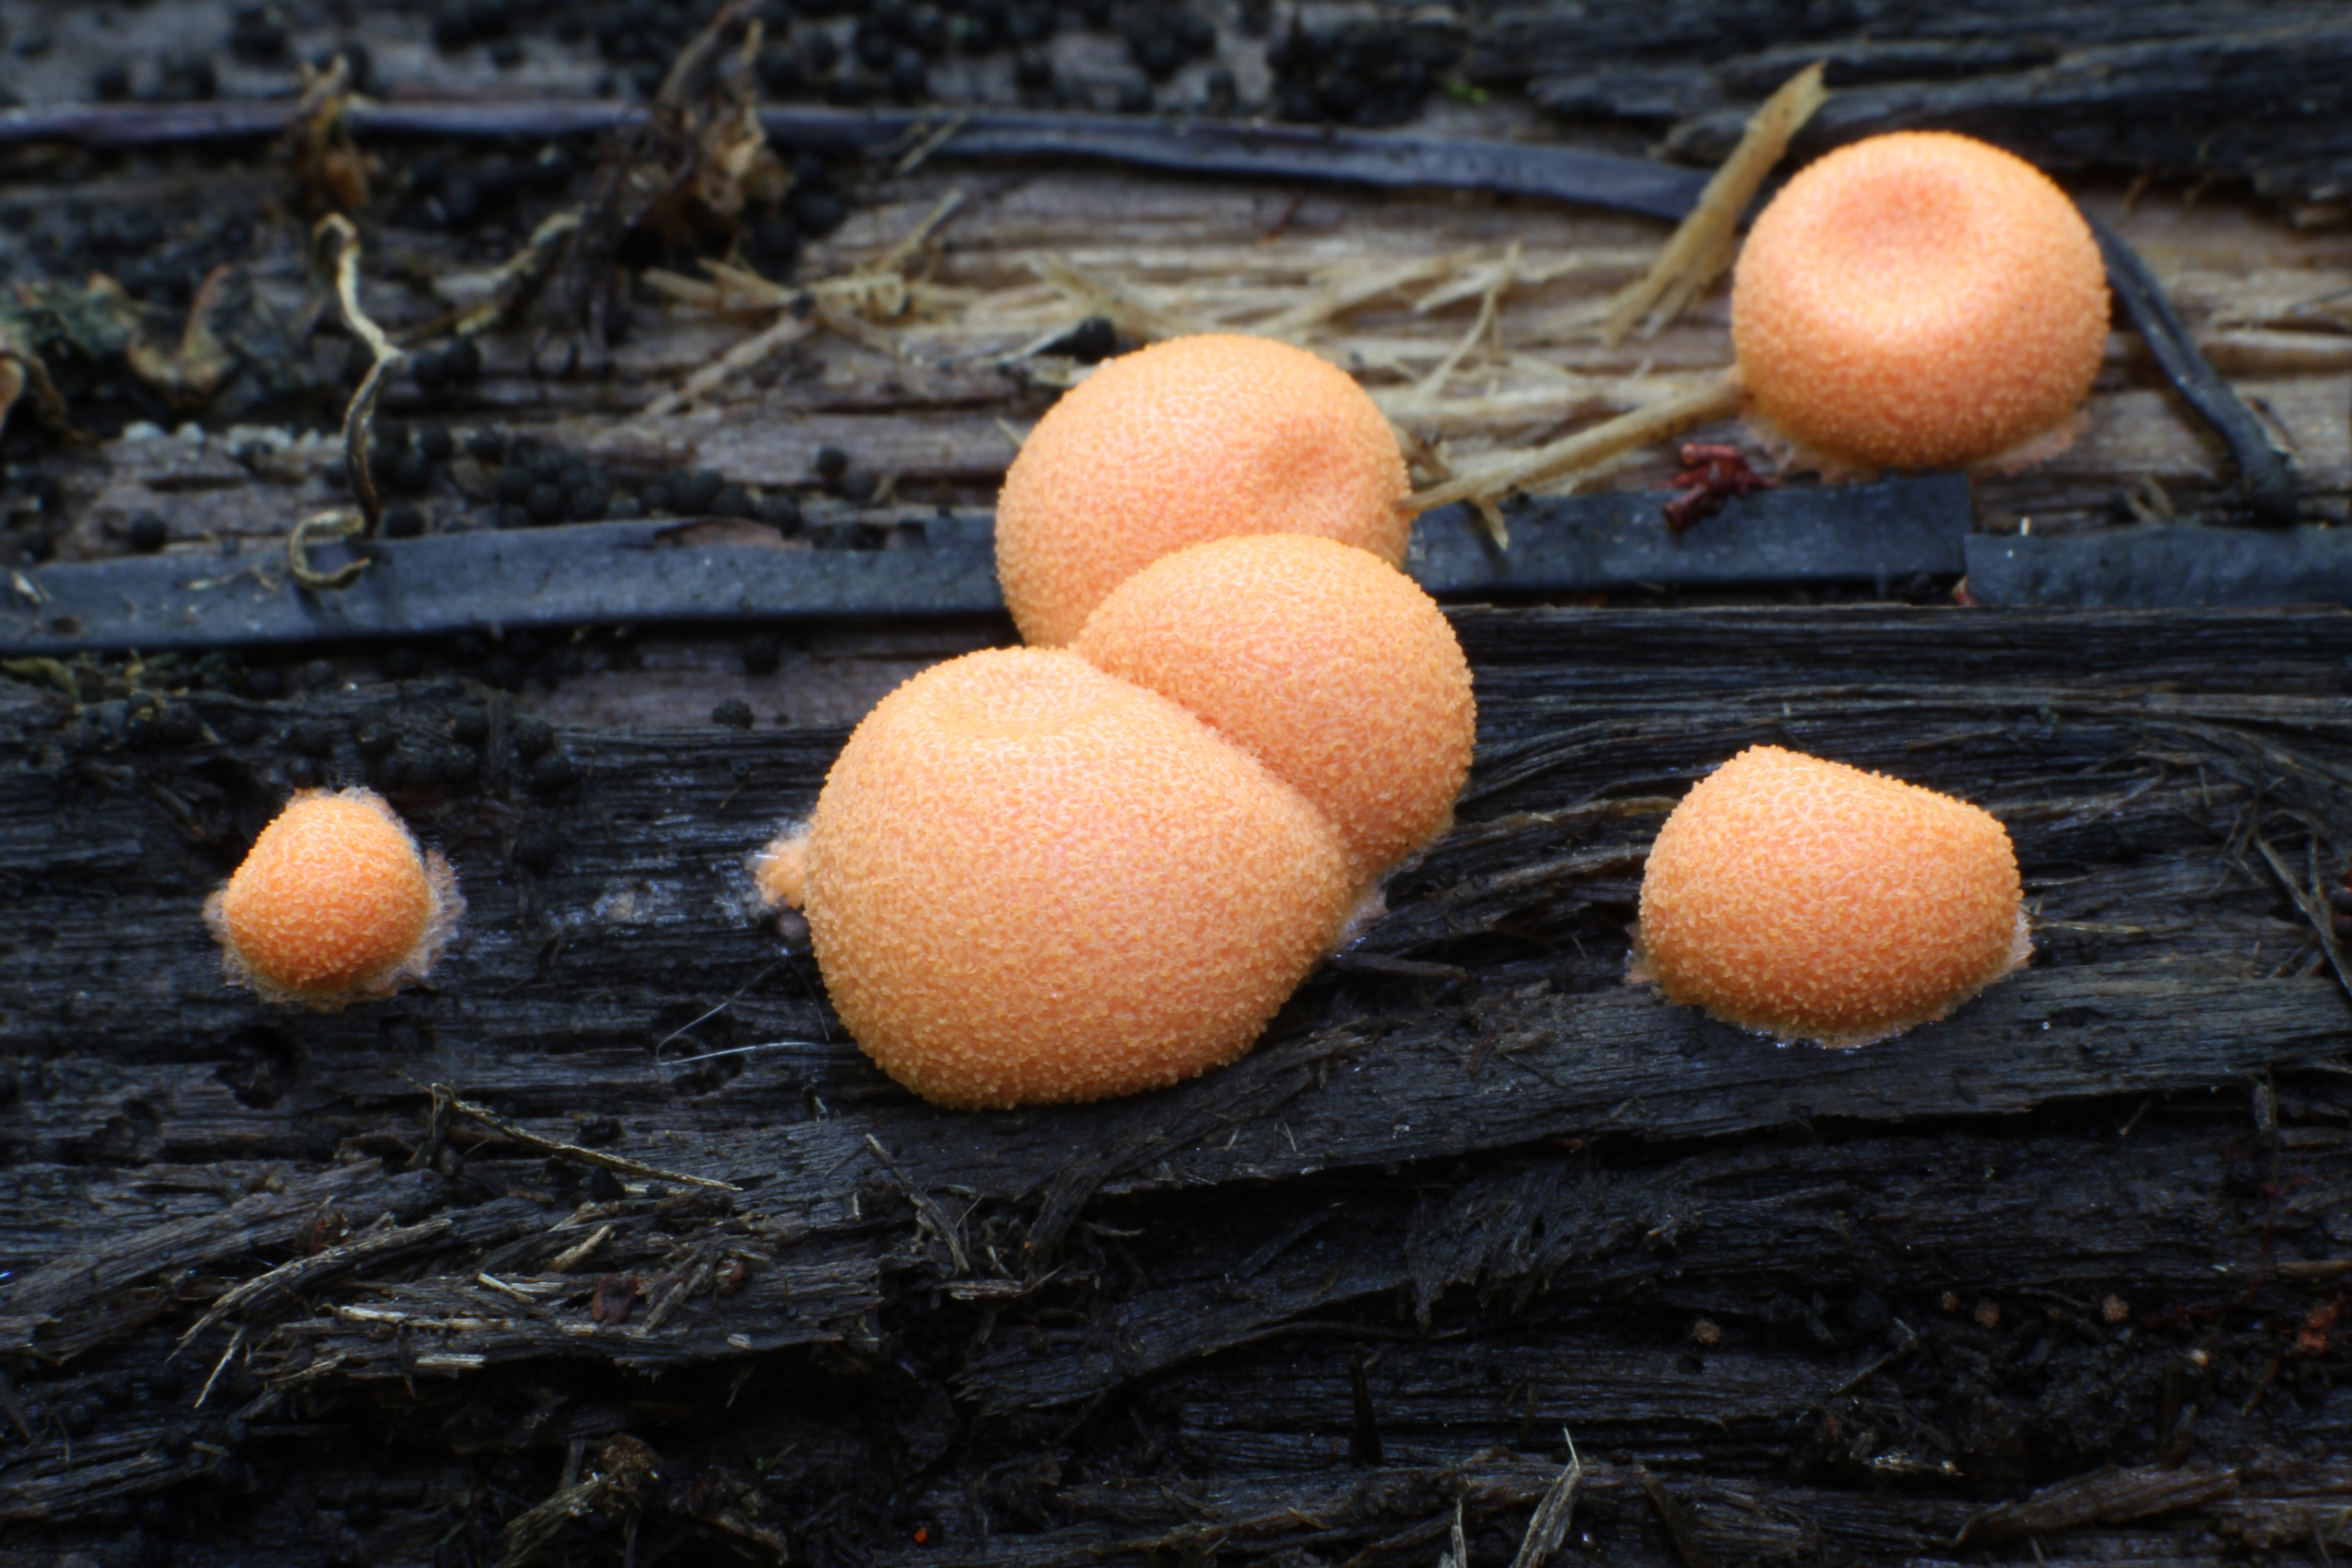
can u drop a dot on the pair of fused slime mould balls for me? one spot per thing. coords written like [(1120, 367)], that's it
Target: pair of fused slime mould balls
[(1099, 863)]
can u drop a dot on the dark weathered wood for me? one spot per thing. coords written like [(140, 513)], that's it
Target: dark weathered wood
[(1506, 1187), (714, 571), (2197, 88)]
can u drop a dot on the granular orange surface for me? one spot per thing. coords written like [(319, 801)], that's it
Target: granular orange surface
[(1030, 881), (1189, 440), (334, 902), (1327, 664), (1918, 300), (1810, 899)]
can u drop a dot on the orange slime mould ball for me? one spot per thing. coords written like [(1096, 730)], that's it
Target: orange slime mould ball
[(1032, 882), (1191, 439), (1918, 301), (1809, 899), (334, 904), (1327, 664)]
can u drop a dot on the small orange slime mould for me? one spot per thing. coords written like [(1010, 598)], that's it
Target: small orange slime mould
[(334, 904), (1808, 899)]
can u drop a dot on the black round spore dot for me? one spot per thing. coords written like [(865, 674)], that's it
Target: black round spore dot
[(257, 34), (545, 504), (657, 500), (511, 516), (392, 438), (264, 685), (732, 502), (435, 442), (487, 446), (1091, 342), (538, 848), (591, 502), (410, 473), (909, 79), (179, 726), (734, 712), (463, 360), (624, 509), (461, 200), (817, 213), (78, 1419), (147, 533), (604, 1187), (832, 462), (554, 771), (779, 510), (311, 739), (402, 522), (695, 491), (532, 736), (470, 727), (762, 654), (430, 374)]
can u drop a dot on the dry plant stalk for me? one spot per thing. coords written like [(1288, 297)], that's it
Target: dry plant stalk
[(846, 305), (1657, 422), (1701, 249), (359, 418)]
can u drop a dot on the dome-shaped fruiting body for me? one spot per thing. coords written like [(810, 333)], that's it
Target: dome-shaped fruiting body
[(1189, 440), (334, 904), (1918, 300), (1324, 663), (1029, 882), (1812, 901)]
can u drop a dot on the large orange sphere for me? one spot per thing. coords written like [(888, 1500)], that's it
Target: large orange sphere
[(1812, 901), (1327, 664), (1189, 440), (334, 902), (1918, 301), (1029, 882)]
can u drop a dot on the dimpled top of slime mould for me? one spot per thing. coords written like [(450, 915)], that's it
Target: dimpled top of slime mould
[(1918, 300), (1029, 882), (1809, 899), (1189, 440)]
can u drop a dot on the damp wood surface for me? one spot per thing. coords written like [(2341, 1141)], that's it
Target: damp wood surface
[(1469, 1193)]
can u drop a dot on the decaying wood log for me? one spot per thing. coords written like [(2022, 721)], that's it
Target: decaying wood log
[(1471, 1190)]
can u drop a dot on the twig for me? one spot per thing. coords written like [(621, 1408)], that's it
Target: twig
[(444, 1095), (1666, 417), (304, 1271), (359, 418), (2314, 910), (219, 1366), (1701, 247), (1678, 1524), (2265, 478), (1549, 1528)]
